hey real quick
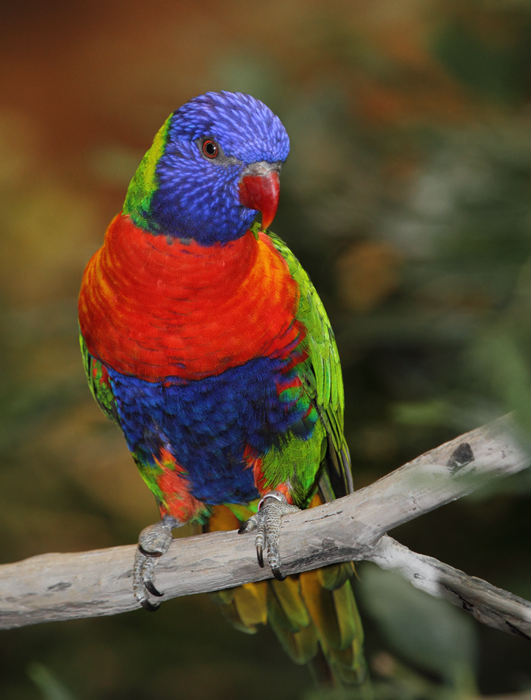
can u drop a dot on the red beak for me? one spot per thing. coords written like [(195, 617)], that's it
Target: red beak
[(260, 189)]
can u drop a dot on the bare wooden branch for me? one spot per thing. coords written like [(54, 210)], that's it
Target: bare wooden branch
[(488, 604), (89, 584)]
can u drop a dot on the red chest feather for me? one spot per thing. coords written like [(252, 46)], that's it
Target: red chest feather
[(153, 308)]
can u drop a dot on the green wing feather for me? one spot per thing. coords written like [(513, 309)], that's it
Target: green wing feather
[(322, 376), (99, 383), (327, 593)]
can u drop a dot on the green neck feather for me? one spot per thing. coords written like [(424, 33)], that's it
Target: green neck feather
[(145, 182)]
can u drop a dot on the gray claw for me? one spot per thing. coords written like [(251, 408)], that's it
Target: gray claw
[(278, 575), (154, 541), (151, 588), (249, 525), (267, 524), (260, 555), (148, 554), (150, 607)]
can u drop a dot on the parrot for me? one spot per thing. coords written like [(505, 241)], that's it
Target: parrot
[(204, 339)]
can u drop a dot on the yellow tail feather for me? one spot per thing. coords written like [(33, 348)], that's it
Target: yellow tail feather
[(250, 600), (286, 595), (300, 646), (313, 614)]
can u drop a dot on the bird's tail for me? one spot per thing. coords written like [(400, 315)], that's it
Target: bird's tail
[(313, 614)]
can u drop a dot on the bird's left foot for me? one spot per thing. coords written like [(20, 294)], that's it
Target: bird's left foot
[(266, 523), (154, 541)]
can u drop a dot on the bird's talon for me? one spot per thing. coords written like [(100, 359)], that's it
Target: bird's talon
[(154, 541), (150, 607), (151, 588), (267, 522), (248, 525), (146, 553), (278, 575)]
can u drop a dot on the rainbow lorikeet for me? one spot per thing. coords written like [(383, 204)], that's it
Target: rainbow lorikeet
[(206, 342)]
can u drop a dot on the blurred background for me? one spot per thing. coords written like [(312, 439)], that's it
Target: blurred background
[(406, 197)]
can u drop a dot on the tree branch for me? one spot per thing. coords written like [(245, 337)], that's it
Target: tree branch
[(90, 584), (490, 605)]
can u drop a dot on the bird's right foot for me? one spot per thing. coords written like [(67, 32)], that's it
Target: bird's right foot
[(154, 541), (266, 523)]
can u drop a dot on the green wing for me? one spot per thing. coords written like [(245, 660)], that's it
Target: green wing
[(99, 382), (322, 376)]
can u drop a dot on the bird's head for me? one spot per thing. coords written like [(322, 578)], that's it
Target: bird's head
[(213, 165)]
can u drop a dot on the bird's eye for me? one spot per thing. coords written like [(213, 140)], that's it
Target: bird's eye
[(210, 148)]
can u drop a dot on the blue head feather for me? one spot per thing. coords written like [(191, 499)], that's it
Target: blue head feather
[(190, 196)]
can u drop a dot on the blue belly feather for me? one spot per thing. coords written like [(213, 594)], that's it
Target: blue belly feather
[(207, 424)]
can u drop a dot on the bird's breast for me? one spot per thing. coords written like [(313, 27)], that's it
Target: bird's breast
[(156, 307)]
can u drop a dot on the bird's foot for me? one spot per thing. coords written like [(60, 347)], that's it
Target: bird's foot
[(267, 523), (154, 541)]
